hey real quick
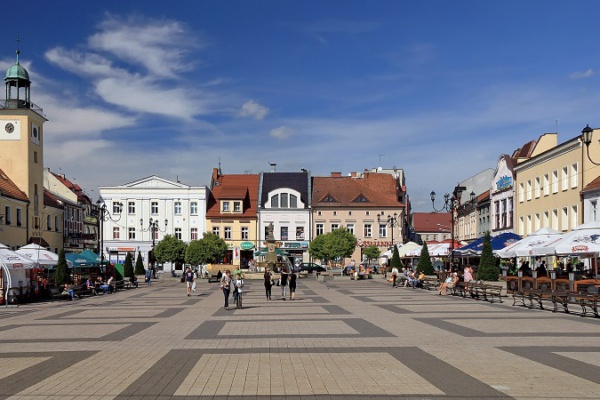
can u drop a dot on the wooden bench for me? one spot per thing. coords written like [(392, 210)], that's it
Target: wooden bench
[(213, 278), (429, 283), (459, 289), (588, 302), (56, 293), (83, 290), (118, 285)]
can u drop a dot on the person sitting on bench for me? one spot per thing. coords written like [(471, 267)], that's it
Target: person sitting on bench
[(134, 281)]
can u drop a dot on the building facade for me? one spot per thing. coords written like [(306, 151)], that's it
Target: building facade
[(139, 214)]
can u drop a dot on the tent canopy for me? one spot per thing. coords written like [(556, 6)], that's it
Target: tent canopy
[(39, 255), (76, 260), (525, 247), (13, 260), (498, 242), (582, 240)]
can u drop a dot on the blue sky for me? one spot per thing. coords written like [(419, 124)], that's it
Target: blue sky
[(438, 88)]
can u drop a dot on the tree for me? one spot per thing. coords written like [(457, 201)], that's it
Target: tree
[(372, 252), (425, 264), (488, 269), (170, 249), (206, 250), (139, 265), (339, 243), (61, 276), (396, 262), (128, 266)]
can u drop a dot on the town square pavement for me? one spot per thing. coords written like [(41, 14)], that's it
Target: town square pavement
[(339, 339)]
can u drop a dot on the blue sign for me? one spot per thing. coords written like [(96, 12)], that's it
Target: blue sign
[(504, 183)]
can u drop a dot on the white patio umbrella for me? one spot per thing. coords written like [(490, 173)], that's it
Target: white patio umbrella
[(14, 265), (583, 240), (39, 255), (525, 247)]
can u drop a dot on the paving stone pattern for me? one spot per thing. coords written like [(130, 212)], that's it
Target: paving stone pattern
[(339, 339)]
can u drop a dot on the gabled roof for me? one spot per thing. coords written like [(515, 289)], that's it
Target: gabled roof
[(9, 189), (371, 190), (154, 181), (593, 185), (432, 222), (233, 187), (297, 181), (73, 187), (51, 201)]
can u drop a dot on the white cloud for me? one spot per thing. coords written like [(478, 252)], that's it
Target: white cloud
[(254, 110), (281, 133), (582, 75), (89, 64)]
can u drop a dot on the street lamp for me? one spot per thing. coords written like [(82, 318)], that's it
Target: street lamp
[(451, 204), (104, 215), (586, 138), (153, 228), (391, 221)]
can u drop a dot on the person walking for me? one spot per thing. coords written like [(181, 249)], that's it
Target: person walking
[(394, 276), (268, 283), (284, 282), (189, 280), (238, 284), (292, 285), (149, 276), (226, 287)]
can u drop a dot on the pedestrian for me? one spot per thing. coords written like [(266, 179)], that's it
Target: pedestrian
[(238, 284), (189, 280), (149, 276), (226, 287), (195, 279), (283, 279), (394, 275), (268, 283), (292, 285), (467, 275)]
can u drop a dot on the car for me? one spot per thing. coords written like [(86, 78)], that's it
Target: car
[(310, 268)]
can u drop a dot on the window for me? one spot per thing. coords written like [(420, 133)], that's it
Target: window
[(367, 213), (193, 208), (536, 221), (528, 227), (521, 225), (334, 227), (299, 233), (275, 201), (565, 219), (283, 198), (565, 178), (574, 175), (382, 230), (49, 222), (319, 213), (177, 208), (284, 233), (237, 206), (56, 223), (350, 228), (116, 208), (194, 234), (529, 190), (537, 187), (245, 233), (319, 229), (131, 207), (35, 158), (154, 208), (335, 213), (226, 206), (20, 217), (131, 233), (546, 222), (574, 216), (116, 232), (521, 192), (227, 233), (349, 213), (555, 219), (555, 181), (546, 185), (178, 233), (293, 201), (7, 216), (594, 204), (216, 230), (368, 230)]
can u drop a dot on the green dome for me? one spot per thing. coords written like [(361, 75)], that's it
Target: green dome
[(17, 72)]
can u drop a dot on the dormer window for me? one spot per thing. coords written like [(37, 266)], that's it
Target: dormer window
[(285, 198), (237, 206), (226, 206)]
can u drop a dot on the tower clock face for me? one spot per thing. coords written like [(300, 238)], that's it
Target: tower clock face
[(10, 130)]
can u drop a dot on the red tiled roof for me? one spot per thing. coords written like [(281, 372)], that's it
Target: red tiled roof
[(233, 187), (375, 189), (9, 189), (73, 187), (483, 196), (51, 201), (431, 222), (593, 185)]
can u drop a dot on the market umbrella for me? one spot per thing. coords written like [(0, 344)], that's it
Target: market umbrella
[(498, 242), (583, 240), (39, 255), (14, 260), (525, 247), (75, 260)]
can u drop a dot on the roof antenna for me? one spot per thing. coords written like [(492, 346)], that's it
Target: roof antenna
[(274, 166), (18, 47), (219, 165)]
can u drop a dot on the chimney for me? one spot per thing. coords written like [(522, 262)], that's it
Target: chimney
[(336, 174)]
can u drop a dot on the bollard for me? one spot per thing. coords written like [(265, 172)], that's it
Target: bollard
[(520, 285)]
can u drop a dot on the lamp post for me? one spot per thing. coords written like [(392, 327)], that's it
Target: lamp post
[(153, 228), (451, 204), (391, 221), (586, 138), (104, 215)]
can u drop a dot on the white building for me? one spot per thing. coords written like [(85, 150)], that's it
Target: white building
[(136, 209)]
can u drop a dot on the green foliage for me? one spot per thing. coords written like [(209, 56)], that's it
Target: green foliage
[(396, 262), (128, 266), (206, 250), (425, 264), (170, 249), (334, 245), (488, 269), (61, 276), (372, 252), (139, 265)]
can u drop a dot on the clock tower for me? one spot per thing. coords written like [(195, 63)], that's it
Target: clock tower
[(22, 144)]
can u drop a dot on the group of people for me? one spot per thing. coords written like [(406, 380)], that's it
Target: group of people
[(453, 278), (408, 278), (286, 280), (228, 284)]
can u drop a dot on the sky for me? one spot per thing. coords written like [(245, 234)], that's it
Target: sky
[(440, 89)]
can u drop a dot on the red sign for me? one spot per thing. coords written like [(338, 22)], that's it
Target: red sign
[(580, 248)]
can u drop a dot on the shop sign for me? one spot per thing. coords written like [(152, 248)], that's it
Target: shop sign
[(504, 183), (295, 245), (246, 245)]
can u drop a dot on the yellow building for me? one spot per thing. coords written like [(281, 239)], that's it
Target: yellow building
[(21, 156), (549, 184)]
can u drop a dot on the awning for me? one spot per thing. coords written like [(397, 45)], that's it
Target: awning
[(39, 255), (498, 243)]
